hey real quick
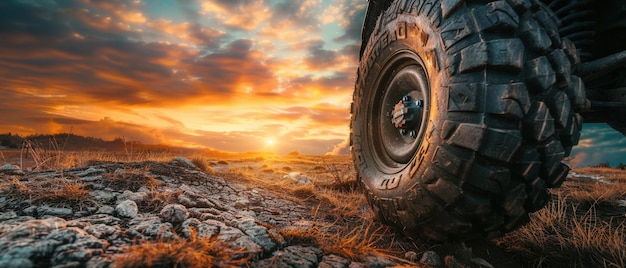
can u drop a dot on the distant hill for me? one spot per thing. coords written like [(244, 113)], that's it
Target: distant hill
[(72, 142)]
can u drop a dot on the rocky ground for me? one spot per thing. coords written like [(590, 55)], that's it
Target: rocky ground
[(177, 213), (92, 216)]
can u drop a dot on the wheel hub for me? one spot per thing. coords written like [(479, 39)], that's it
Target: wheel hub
[(407, 115), (400, 109)]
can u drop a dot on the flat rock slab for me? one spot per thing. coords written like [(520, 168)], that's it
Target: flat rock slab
[(129, 204)]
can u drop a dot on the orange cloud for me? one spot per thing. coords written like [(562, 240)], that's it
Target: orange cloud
[(245, 15), (225, 78)]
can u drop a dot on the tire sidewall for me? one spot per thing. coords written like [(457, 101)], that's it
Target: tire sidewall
[(405, 34)]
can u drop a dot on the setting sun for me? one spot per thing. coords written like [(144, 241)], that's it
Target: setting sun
[(270, 142)]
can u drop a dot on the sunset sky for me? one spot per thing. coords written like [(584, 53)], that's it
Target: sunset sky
[(224, 74)]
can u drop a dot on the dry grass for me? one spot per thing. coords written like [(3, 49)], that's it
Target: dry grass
[(202, 163), (63, 193), (192, 252), (595, 192), (358, 242), (353, 243), (57, 192), (157, 200), (52, 156), (132, 179), (344, 204), (15, 189), (581, 227)]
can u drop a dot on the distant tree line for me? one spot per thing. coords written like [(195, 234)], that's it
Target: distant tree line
[(73, 142), (621, 165), (10, 141), (65, 141)]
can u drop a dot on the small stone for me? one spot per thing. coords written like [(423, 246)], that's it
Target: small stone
[(30, 211), (334, 261), (174, 213), (202, 229), (59, 212), (431, 258), (127, 209), (103, 196), (298, 178), (100, 262), (91, 178), (144, 189), (378, 261), (102, 230), (242, 202), (130, 195), (258, 234), (410, 255), (100, 219), (9, 167), (151, 227), (184, 161), (69, 264), (8, 215), (90, 172), (18, 262), (106, 210), (81, 213), (357, 265), (235, 238), (294, 256)]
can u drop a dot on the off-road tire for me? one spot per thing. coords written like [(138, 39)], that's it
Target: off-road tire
[(498, 115)]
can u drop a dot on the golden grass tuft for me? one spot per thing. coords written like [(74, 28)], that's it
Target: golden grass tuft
[(15, 189), (343, 204), (192, 252), (133, 179), (64, 193), (596, 191), (56, 192), (202, 164), (561, 234), (355, 244), (302, 191), (296, 236), (157, 200)]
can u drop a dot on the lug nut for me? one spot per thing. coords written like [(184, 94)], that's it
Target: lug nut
[(406, 98), (413, 133), (403, 131), (420, 103)]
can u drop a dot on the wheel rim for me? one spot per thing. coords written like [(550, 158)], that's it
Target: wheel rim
[(403, 87)]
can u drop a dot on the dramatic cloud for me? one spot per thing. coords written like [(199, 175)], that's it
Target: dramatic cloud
[(221, 74), (599, 143)]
